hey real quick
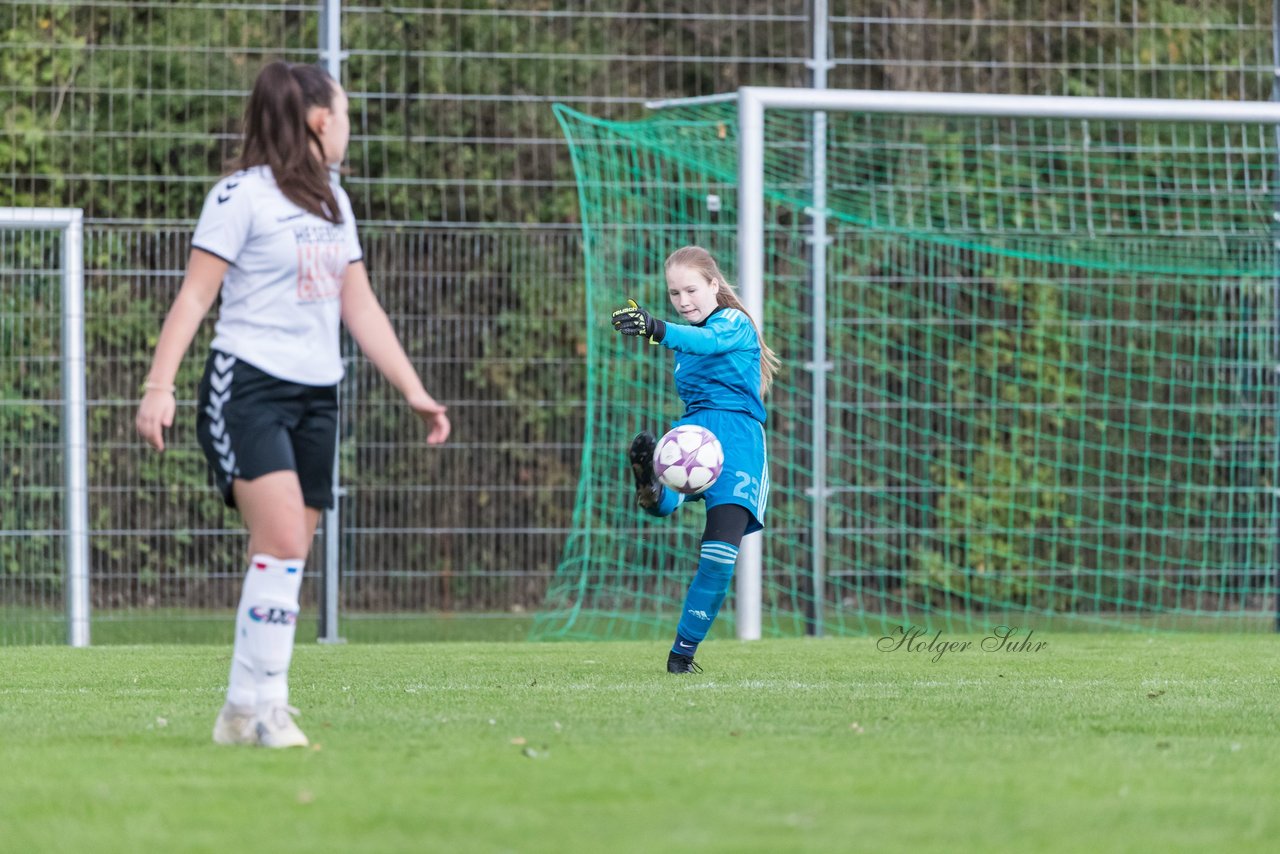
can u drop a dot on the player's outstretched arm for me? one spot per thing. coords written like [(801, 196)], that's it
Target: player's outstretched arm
[(724, 332), (631, 319), (199, 289), (371, 328)]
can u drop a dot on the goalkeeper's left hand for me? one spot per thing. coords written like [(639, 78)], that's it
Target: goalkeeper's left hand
[(634, 320)]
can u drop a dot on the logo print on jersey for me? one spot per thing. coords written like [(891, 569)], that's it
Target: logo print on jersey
[(322, 261), (219, 394), (225, 197)]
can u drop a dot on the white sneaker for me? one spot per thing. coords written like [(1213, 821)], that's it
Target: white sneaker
[(276, 728), (235, 725)]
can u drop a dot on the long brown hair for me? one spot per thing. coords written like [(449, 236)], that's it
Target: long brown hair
[(276, 134), (700, 261)]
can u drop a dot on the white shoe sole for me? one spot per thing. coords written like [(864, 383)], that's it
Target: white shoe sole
[(281, 740)]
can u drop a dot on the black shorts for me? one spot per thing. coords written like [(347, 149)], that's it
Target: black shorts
[(251, 423)]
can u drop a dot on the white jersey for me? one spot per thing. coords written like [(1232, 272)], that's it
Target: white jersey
[(281, 305)]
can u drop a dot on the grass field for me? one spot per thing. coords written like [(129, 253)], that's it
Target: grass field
[(1149, 743)]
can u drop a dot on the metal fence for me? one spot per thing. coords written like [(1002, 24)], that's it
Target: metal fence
[(128, 109), (475, 525), (113, 102)]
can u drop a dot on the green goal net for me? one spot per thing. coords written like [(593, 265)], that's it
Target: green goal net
[(1046, 351)]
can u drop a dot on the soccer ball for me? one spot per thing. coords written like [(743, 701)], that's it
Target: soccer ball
[(688, 459)]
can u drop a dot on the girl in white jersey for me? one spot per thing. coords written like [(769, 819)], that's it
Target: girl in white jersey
[(278, 240)]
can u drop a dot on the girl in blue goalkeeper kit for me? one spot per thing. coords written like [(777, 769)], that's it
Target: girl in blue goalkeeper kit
[(723, 369)]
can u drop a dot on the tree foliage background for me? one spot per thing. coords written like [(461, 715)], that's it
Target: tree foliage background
[(130, 110)]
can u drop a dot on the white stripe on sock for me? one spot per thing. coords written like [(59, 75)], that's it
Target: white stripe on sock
[(721, 553)]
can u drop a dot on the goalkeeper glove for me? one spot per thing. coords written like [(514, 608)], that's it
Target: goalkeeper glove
[(634, 320)]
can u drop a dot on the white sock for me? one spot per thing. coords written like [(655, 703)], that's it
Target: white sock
[(266, 622)]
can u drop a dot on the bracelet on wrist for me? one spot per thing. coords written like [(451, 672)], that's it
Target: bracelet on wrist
[(150, 385)]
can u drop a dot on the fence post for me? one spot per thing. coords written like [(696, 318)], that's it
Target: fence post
[(331, 56)]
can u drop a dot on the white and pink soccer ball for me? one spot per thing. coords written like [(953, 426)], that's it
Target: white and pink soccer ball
[(688, 459)]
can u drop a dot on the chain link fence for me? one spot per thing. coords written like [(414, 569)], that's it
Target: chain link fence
[(463, 186)]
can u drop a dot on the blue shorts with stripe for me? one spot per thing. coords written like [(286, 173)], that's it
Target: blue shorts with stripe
[(745, 477)]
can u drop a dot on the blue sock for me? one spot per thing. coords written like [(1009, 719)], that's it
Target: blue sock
[(706, 594), (667, 503)]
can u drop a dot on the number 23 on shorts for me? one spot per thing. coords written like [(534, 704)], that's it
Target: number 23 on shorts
[(748, 487)]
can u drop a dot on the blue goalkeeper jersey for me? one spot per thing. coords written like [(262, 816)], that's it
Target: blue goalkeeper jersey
[(718, 363)]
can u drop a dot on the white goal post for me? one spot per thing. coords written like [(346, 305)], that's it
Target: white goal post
[(752, 102), (70, 222)]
